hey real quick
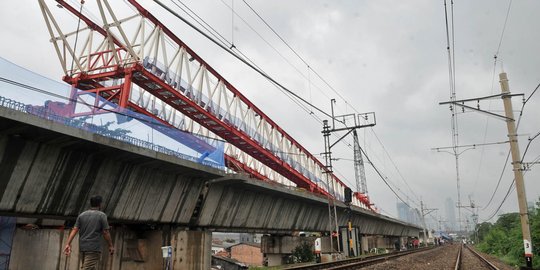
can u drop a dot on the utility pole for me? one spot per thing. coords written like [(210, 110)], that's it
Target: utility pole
[(357, 121), (332, 212), (441, 221), (471, 207), (518, 173), (425, 211), (514, 149)]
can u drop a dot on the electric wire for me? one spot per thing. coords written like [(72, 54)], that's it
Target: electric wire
[(512, 185), (383, 178), (395, 166), (529, 144), (201, 22), (495, 58), (49, 93), (277, 51), (168, 9), (326, 82), (504, 28), (254, 66), (76, 37), (508, 154), (257, 69), (225, 42), (450, 48), (295, 52)]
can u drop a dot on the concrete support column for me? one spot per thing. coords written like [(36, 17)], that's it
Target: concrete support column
[(191, 249), (276, 248), (364, 244), (42, 248)]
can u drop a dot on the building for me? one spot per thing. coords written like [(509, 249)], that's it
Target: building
[(530, 206), (408, 214), (247, 253), (450, 214)]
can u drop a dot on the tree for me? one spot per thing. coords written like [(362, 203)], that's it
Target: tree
[(302, 253), (482, 230), (504, 239), (508, 221)]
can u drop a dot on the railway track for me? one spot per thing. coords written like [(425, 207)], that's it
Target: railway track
[(465, 258), (356, 263), (465, 261)]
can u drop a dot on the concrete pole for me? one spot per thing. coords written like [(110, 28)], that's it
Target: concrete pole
[(423, 222), (518, 173)]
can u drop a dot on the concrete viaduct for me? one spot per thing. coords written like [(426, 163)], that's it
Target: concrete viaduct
[(49, 170)]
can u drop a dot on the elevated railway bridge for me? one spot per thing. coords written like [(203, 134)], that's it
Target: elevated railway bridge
[(244, 173)]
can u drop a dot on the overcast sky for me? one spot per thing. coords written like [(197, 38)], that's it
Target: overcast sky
[(387, 57)]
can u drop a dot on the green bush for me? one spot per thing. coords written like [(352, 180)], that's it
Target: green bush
[(302, 253), (504, 239)]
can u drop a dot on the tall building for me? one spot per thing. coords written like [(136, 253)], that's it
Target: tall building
[(451, 214), (408, 214), (403, 211)]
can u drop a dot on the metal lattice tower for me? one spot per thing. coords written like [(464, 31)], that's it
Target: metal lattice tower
[(359, 170)]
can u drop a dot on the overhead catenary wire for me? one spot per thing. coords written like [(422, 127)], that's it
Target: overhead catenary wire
[(508, 154), (294, 51), (214, 32), (228, 50), (495, 58), (49, 93), (450, 48), (383, 178), (326, 82), (76, 36), (247, 62), (226, 43), (287, 60), (397, 169)]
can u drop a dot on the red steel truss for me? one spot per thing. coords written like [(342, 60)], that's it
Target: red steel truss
[(137, 59)]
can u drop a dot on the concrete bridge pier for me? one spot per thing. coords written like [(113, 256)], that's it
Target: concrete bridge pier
[(276, 248), (370, 243), (191, 249), (136, 249)]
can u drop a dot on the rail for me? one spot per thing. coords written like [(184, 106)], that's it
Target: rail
[(458, 258), (356, 263), (481, 258)]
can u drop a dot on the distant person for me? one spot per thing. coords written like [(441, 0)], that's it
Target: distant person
[(416, 243), (91, 225), (397, 245)]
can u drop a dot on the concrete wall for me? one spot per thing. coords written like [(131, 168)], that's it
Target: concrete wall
[(271, 244), (50, 170), (135, 250), (248, 254), (377, 241), (236, 204), (48, 179)]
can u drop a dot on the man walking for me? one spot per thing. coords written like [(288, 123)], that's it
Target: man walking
[(91, 225)]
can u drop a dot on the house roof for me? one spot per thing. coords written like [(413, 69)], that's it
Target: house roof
[(257, 245)]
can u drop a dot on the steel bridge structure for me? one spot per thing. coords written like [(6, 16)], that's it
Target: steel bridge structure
[(130, 58)]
